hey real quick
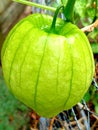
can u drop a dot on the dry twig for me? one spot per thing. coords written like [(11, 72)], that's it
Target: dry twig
[(80, 122), (91, 27), (34, 120), (51, 123), (95, 125)]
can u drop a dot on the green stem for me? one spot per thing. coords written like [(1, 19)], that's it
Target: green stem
[(68, 10), (36, 5), (55, 17)]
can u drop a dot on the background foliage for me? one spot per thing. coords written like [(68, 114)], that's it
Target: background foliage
[(13, 114)]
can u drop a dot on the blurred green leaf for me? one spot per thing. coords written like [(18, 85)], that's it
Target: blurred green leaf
[(94, 47), (80, 7), (96, 108), (87, 97), (13, 114)]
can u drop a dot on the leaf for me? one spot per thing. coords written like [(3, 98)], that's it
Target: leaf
[(10, 110), (94, 47), (80, 7), (84, 12), (96, 109), (87, 97)]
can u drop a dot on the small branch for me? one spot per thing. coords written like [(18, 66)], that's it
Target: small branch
[(25, 2), (83, 115), (35, 119), (51, 123), (87, 109), (91, 27)]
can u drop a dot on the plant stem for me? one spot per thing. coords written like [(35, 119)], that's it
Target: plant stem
[(68, 10), (55, 17), (36, 5)]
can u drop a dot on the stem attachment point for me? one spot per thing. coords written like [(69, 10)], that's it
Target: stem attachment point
[(52, 28)]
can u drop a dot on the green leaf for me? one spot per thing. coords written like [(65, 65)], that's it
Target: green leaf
[(96, 109), (80, 7), (87, 97), (84, 12), (11, 106), (94, 47)]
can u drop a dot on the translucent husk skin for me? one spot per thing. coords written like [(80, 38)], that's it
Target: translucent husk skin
[(48, 71)]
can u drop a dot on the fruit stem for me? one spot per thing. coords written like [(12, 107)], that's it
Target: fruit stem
[(36, 5), (68, 10), (52, 28)]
